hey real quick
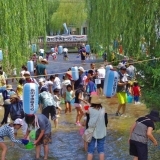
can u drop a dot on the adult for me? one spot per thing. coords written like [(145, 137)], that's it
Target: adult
[(82, 52), (121, 90), (2, 82), (29, 79), (4, 74), (7, 101), (140, 132), (41, 70), (131, 71), (97, 121), (24, 69), (101, 75), (47, 103), (82, 76), (43, 132), (41, 52)]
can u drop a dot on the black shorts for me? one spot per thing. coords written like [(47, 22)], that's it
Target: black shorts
[(101, 85), (67, 102), (50, 110), (139, 150)]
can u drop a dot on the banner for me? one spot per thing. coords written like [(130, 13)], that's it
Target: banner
[(67, 38)]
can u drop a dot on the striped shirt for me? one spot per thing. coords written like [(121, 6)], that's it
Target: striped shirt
[(8, 131)]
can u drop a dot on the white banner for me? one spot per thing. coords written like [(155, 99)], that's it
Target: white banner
[(68, 38)]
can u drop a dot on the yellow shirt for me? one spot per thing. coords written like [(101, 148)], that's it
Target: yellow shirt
[(20, 90), (2, 81)]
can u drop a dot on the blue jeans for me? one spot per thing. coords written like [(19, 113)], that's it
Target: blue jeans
[(2, 89), (100, 145)]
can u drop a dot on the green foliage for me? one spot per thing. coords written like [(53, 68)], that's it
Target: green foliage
[(70, 12), (131, 23), (21, 22)]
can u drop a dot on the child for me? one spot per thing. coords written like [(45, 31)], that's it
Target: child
[(42, 126), (136, 92), (20, 88), (68, 96), (104, 56), (57, 100), (8, 131)]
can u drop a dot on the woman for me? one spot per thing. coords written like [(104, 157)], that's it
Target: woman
[(97, 121), (43, 132), (2, 82), (140, 132), (78, 106)]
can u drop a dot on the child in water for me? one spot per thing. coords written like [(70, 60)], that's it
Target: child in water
[(68, 96), (7, 130), (136, 92)]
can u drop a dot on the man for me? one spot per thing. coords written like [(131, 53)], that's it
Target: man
[(41, 68), (80, 82), (121, 90), (101, 75), (131, 71)]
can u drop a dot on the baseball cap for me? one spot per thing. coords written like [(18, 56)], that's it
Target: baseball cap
[(18, 121), (81, 69)]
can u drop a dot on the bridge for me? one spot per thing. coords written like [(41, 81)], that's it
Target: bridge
[(69, 41)]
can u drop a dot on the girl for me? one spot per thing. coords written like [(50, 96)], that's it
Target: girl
[(78, 106), (136, 92), (8, 131), (57, 100), (68, 96), (20, 88)]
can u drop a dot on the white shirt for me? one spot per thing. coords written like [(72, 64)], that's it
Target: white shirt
[(65, 50), (101, 73), (41, 50), (57, 83)]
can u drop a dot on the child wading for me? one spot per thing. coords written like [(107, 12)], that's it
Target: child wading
[(8, 131), (68, 96)]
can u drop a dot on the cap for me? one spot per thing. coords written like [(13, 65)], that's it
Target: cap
[(27, 73), (41, 80), (18, 121), (81, 69)]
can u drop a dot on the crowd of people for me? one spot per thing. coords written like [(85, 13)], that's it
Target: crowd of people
[(86, 91)]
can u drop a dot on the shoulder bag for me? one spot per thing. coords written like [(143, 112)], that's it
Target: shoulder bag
[(88, 134)]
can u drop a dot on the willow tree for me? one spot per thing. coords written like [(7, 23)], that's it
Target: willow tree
[(130, 22), (21, 22), (71, 12)]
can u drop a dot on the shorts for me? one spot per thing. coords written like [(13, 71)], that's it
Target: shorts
[(101, 85), (46, 139), (139, 150), (77, 105), (50, 110), (87, 53), (136, 98), (122, 97), (67, 102), (100, 145)]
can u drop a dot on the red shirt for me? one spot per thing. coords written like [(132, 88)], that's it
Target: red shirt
[(136, 90)]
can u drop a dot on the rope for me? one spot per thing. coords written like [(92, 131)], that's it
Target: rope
[(136, 62)]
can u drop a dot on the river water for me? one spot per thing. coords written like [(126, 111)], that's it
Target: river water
[(67, 143)]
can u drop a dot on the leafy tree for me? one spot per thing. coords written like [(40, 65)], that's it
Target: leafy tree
[(71, 12), (131, 23)]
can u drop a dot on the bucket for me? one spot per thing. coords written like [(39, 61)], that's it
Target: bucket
[(129, 99), (32, 134), (86, 108), (97, 81), (30, 145)]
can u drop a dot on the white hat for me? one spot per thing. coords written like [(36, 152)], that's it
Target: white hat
[(81, 69), (26, 73), (120, 65), (41, 80), (18, 121)]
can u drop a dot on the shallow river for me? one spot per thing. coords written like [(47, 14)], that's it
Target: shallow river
[(67, 144)]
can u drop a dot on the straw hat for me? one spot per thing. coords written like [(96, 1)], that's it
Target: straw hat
[(44, 61), (8, 87), (95, 99)]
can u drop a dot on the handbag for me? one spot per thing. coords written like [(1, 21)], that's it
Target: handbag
[(88, 134)]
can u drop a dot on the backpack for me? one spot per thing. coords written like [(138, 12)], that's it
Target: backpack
[(16, 110)]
